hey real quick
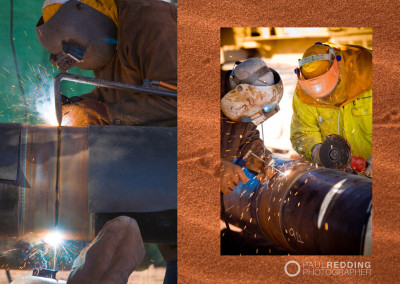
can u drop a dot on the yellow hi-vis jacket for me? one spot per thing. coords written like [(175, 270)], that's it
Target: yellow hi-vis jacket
[(312, 121), (310, 125)]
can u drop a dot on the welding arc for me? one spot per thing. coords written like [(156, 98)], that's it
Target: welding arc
[(57, 205)]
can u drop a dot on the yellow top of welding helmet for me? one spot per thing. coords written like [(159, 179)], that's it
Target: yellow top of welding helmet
[(107, 7)]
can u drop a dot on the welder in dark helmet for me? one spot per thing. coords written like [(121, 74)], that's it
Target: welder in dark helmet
[(126, 41), (333, 98), (250, 94)]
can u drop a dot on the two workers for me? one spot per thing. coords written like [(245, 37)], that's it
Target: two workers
[(130, 41), (333, 96)]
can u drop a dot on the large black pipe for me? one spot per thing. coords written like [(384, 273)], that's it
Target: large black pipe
[(307, 209)]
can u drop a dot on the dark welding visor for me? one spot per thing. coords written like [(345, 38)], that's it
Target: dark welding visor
[(71, 54), (78, 35)]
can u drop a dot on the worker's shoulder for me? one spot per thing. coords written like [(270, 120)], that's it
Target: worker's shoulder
[(146, 8)]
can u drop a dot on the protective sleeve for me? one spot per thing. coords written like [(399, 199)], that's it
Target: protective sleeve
[(147, 50), (152, 48), (304, 128), (251, 141)]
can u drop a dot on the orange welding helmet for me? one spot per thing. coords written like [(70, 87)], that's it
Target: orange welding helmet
[(319, 72)]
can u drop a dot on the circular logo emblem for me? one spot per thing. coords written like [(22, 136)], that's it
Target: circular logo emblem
[(292, 274)]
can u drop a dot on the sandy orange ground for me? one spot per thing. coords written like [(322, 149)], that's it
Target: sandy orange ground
[(153, 275)]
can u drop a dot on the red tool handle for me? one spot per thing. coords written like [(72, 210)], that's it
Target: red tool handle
[(358, 164)]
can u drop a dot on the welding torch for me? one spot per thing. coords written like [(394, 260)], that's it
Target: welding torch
[(242, 161), (148, 88), (270, 164)]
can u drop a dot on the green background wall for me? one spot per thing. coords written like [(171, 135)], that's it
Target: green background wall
[(36, 72)]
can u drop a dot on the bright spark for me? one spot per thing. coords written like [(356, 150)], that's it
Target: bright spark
[(287, 172), (53, 239)]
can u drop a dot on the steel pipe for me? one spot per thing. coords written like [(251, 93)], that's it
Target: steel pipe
[(105, 170), (307, 209)]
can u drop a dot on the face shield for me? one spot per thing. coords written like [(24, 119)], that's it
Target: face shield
[(78, 35), (253, 103), (322, 87)]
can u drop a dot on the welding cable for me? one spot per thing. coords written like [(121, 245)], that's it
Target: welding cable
[(15, 60), (8, 275)]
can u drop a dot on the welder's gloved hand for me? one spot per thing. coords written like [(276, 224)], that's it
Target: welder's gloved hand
[(86, 112), (231, 175), (65, 100), (266, 174), (315, 154), (112, 256), (368, 169), (263, 166), (268, 171)]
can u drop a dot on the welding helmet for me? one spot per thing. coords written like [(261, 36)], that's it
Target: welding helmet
[(78, 35), (255, 92), (319, 74)]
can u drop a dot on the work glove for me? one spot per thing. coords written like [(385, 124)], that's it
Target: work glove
[(112, 256), (263, 166), (368, 169), (85, 112), (65, 100), (231, 175)]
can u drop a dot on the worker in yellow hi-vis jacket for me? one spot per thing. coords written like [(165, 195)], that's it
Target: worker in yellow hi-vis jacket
[(333, 96)]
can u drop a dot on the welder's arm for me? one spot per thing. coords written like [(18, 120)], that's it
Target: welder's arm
[(150, 51), (251, 140), (304, 129), (231, 174)]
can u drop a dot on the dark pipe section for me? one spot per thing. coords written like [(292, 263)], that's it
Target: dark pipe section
[(306, 209)]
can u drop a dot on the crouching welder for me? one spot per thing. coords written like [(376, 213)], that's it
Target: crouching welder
[(250, 94), (123, 41), (332, 107)]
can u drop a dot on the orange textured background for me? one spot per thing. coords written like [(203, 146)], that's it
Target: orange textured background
[(199, 23)]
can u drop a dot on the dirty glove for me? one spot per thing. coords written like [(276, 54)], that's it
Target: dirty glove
[(368, 169), (231, 175), (268, 171), (86, 112), (65, 100), (112, 256), (261, 166)]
